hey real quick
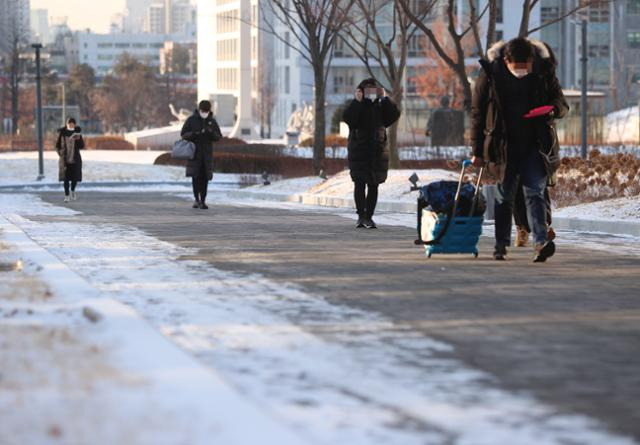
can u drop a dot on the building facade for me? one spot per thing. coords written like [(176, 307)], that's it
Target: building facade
[(102, 51), (15, 22)]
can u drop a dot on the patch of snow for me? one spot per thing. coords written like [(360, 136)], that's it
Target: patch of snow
[(620, 209), (396, 188), (115, 381), (333, 373)]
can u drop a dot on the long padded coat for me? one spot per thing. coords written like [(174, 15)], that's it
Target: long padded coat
[(203, 133), (73, 171), (489, 136), (368, 149)]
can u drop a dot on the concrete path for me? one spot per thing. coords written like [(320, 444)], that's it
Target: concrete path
[(567, 331)]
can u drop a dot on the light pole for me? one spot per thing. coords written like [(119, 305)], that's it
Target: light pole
[(64, 105), (583, 96), (38, 47)]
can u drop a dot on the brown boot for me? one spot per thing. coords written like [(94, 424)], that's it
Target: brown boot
[(522, 237), (551, 234)]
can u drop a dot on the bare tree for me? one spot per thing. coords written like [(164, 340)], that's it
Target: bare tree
[(459, 27), (314, 25), (385, 51), (455, 35)]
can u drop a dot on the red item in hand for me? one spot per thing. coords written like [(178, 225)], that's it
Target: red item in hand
[(540, 111)]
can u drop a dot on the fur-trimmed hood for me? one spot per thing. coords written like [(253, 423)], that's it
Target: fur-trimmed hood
[(544, 63)]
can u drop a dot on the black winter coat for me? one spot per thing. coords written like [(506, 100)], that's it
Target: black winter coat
[(69, 171), (368, 148), (202, 132), (489, 136)]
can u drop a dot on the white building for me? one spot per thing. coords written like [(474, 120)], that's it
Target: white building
[(181, 17), (101, 51), (40, 26), (15, 18), (219, 61)]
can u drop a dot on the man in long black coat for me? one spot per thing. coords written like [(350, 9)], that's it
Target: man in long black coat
[(201, 129), (518, 77), (368, 116)]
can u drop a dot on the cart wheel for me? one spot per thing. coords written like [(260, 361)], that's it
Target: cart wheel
[(429, 255), (475, 254)]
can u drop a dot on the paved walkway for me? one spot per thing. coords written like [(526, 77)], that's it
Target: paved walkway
[(567, 331)]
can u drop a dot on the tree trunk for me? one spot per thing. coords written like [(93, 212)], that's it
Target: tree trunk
[(524, 22), (319, 125)]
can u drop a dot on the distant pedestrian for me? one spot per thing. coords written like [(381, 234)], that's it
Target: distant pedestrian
[(368, 117), (68, 146), (201, 129), (517, 97), (445, 125)]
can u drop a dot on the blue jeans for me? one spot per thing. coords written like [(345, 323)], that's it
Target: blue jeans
[(530, 169)]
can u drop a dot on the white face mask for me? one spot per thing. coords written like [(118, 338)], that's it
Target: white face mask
[(71, 127), (519, 72), (204, 115), (372, 96)]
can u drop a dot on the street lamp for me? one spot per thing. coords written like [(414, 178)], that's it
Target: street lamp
[(38, 47)]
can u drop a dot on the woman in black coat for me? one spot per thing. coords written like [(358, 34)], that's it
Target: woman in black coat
[(68, 146), (201, 129), (368, 117)]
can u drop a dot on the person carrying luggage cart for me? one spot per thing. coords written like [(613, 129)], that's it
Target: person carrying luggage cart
[(516, 98)]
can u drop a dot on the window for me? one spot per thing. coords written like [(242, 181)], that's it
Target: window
[(227, 49), (287, 80), (500, 9), (633, 39), (633, 6), (287, 44), (122, 45), (105, 45)]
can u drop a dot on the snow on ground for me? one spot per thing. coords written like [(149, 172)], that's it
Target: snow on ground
[(620, 209), (331, 373), (623, 125), (396, 188), (70, 379), (22, 167)]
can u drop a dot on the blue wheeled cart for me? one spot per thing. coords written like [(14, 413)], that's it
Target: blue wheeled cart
[(447, 230)]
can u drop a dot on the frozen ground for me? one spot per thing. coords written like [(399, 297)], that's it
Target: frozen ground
[(78, 368), (396, 188), (351, 381), (621, 209), (98, 166)]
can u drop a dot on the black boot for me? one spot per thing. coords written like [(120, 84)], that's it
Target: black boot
[(196, 204), (500, 253), (361, 222), (543, 251), (369, 223)]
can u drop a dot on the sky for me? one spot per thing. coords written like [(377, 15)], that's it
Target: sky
[(83, 14)]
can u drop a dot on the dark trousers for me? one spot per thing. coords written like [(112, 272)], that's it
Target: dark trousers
[(530, 169), (200, 184), (66, 186), (520, 208), (366, 197)]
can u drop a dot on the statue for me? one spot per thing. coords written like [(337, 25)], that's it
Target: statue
[(302, 122), (181, 115)]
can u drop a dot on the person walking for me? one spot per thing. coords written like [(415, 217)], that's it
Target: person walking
[(202, 129), (68, 146), (516, 98), (368, 115)]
